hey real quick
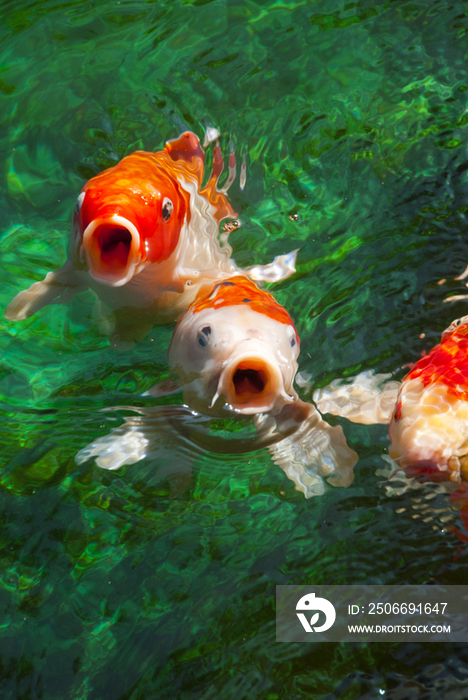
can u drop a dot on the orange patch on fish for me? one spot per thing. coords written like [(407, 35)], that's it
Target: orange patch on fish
[(237, 291), (446, 363)]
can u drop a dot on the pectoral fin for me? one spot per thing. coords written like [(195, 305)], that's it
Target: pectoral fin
[(312, 452), (282, 267), (58, 287), (124, 445), (369, 398), (155, 434)]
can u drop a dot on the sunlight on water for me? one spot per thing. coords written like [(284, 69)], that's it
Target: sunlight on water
[(158, 578)]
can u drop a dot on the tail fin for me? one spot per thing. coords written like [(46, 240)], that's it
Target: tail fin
[(232, 168), (187, 149)]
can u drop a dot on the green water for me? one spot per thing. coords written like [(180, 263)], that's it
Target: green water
[(354, 119)]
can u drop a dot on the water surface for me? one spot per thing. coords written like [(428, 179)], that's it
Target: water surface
[(353, 116)]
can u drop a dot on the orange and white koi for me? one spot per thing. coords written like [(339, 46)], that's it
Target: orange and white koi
[(429, 425), (234, 353), (145, 238), (427, 413)]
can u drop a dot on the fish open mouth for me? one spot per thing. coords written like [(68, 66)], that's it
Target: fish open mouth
[(252, 383), (114, 243), (112, 248), (250, 380)]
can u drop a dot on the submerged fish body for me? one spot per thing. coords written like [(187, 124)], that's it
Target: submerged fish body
[(145, 239), (234, 353), (429, 426)]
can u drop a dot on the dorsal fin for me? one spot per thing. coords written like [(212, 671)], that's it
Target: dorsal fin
[(218, 197), (187, 148)]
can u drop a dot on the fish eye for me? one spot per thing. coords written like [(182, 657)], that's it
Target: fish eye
[(292, 336), (79, 202), (203, 336), (167, 208)]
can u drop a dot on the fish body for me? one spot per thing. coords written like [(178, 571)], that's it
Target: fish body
[(145, 238), (429, 426)]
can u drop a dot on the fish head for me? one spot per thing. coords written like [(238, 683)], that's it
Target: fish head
[(235, 356), (133, 213)]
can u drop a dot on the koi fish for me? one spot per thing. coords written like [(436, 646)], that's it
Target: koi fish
[(145, 239), (429, 425), (234, 353), (427, 412)]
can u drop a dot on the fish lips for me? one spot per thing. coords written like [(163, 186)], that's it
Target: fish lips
[(252, 381), (111, 246)]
